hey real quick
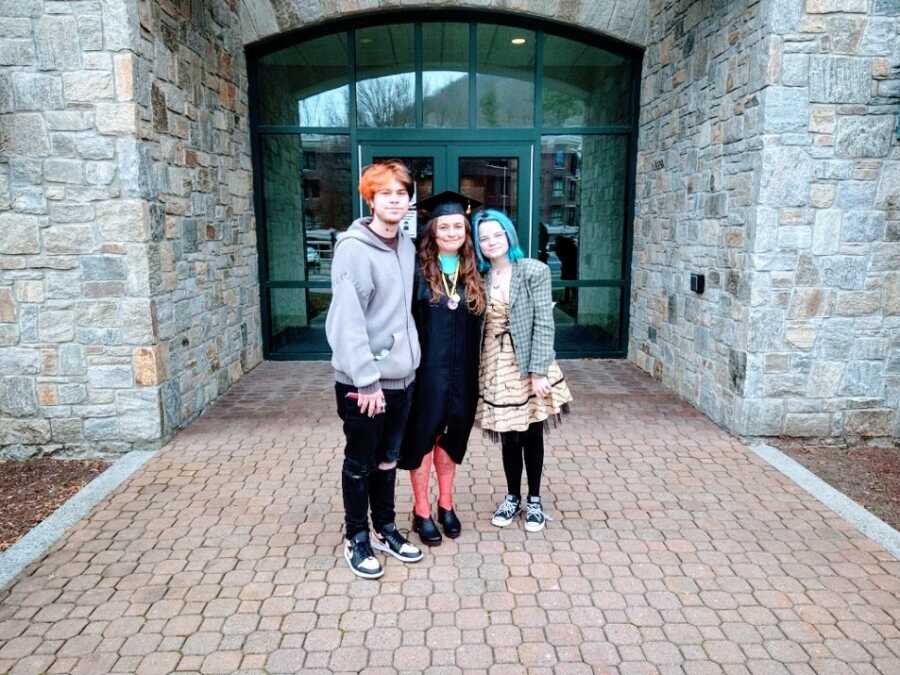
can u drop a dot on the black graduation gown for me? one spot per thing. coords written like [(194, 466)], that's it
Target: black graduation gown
[(446, 392)]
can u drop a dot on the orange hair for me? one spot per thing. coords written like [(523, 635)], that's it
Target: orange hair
[(375, 176)]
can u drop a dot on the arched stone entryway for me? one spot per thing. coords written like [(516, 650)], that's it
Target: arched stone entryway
[(621, 19)]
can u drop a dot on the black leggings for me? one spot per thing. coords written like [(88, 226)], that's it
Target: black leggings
[(530, 446)]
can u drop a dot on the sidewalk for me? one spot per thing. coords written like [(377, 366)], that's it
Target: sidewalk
[(673, 549)]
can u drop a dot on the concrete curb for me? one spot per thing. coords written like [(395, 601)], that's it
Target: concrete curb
[(39, 540), (870, 525)]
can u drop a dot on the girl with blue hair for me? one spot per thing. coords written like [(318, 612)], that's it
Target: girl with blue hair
[(521, 387)]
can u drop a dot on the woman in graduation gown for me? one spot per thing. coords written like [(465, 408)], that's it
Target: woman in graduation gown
[(448, 305)]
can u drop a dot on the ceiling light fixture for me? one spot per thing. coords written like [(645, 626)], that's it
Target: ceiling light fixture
[(518, 41)]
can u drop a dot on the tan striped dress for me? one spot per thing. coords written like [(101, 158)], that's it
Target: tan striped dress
[(505, 402)]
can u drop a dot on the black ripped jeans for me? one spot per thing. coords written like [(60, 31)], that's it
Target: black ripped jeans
[(371, 441)]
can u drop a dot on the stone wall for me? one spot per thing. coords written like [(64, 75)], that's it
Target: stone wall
[(194, 147), (769, 162), (824, 350), (76, 335), (128, 281), (699, 152)]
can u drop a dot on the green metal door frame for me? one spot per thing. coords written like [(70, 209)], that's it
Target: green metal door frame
[(524, 153), (368, 150)]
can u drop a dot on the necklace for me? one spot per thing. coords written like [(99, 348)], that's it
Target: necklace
[(498, 277), (452, 295)]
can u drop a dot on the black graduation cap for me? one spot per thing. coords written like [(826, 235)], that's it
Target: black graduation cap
[(448, 203)]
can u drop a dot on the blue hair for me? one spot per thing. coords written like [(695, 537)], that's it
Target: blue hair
[(515, 251)]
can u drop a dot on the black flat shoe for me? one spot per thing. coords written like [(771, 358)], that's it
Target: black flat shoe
[(449, 522), (427, 530)]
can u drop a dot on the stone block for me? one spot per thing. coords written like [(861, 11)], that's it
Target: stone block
[(68, 120), (839, 79), (807, 303), (786, 176), (19, 234), (795, 70), (120, 25), (19, 361), (785, 109), (90, 32), (888, 196), (807, 424), (892, 294), (99, 173), (140, 414), (858, 303), (72, 394), (844, 271), (64, 171), (886, 7), (7, 306), (110, 377), (36, 91), (864, 136), (124, 76), (886, 257), (101, 429), (72, 360), (863, 226), (58, 47), (18, 396), (137, 321), (800, 335), (25, 431), (117, 118), (68, 239), (149, 365), (855, 194), (123, 220), (88, 86), (824, 378), (834, 6), (25, 134), (103, 268), (15, 27), (30, 290), (17, 52), (68, 212), (66, 430), (863, 378), (870, 423), (57, 325)]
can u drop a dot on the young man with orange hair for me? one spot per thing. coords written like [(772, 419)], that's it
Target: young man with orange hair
[(375, 353)]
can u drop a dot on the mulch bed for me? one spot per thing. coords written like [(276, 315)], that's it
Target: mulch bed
[(31, 490), (867, 473)]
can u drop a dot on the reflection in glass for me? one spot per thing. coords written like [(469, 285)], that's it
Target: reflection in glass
[(584, 85), (505, 80), (582, 227), (492, 181), (422, 171), (587, 318), (386, 80), (297, 317), (307, 84), (445, 74), (307, 193)]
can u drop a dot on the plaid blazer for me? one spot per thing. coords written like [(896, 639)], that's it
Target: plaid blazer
[(530, 315)]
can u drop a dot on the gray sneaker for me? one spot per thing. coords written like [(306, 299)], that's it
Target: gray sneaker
[(507, 511), (534, 515)]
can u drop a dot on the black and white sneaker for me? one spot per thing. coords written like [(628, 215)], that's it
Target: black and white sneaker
[(393, 543), (507, 511), (359, 556), (534, 515)]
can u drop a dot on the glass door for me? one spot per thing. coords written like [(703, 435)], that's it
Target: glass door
[(427, 165), (499, 176)]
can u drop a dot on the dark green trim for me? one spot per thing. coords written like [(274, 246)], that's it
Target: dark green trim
[(446, 143)]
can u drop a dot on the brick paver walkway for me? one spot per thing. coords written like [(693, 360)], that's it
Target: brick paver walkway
[(673, 549)]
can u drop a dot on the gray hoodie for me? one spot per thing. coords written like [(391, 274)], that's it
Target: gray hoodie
[(369, 327)]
